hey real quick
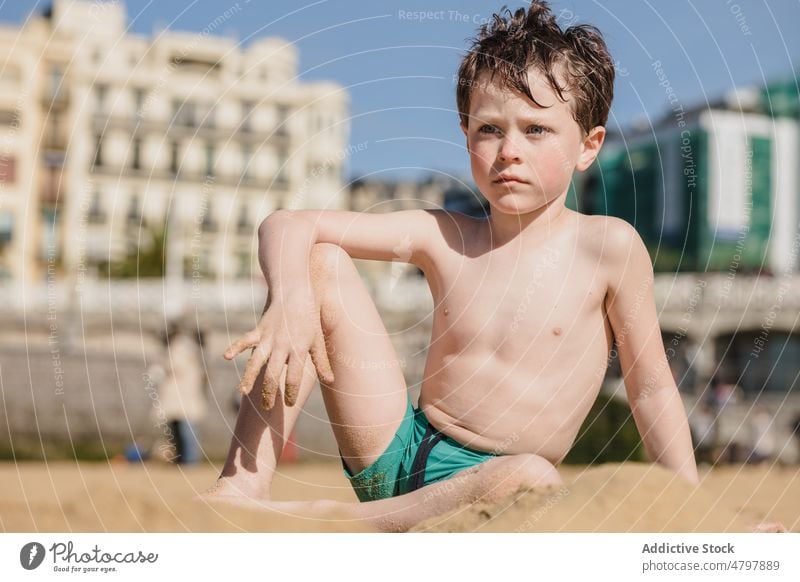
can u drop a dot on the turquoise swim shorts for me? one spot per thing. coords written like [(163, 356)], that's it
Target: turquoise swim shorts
[(418, 455)]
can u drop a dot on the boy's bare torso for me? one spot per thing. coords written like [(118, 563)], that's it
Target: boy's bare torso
[(520, 340)]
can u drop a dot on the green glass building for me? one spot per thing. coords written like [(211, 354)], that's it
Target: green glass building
[(715, 189)]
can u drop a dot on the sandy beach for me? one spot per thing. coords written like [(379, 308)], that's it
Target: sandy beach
[(155, 497)]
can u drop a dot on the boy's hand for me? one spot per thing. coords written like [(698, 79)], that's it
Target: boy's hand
[(289, 329)]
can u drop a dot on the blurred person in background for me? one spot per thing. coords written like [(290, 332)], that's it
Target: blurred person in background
[(794, 427), (763, 445), (725, 395), (181, 380), (703, 428)]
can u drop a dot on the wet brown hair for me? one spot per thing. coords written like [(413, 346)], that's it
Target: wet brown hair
[(510, 44)]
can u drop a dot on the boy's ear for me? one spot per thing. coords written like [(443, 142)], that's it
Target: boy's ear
[(466, 134), (591, 147)]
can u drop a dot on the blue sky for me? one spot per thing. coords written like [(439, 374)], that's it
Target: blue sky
[(399, 69)]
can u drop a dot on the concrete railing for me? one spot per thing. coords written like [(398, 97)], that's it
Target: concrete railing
[(674, 294)]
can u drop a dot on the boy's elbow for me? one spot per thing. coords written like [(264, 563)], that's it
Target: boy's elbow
[(272, 220)]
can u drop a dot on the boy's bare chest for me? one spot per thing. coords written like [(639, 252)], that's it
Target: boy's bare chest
[(506, 300)]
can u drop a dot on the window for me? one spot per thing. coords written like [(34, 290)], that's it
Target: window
[(208, 223), (136, 153), (282, 161), (205, 115), (100, 97), (96, 214), (243, 265), (98, 152), (184, 113), (55, 87), (6, 228), (243, 224), (210, 156), (205, 264), (54, 139), (247, 158), (138, 101), (247, 115), (175, 157), (50, 233), (282, 113), (134, 215)]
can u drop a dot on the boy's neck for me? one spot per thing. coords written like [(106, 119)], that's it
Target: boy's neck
[(528, 228)]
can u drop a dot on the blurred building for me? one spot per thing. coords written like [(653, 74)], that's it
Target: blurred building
[(434, 191), (709, 189), (714, 192), (108, 137)]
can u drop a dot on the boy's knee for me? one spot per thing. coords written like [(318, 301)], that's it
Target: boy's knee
[(528, 470), (326, 260)]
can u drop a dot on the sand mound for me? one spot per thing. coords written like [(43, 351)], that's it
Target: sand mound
[(614, 498), (153, 497), (634, 497)]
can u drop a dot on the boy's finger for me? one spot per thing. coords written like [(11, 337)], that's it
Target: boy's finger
[(246, 341), (271, 379), (253, 367), (294, 375), (319, 355)]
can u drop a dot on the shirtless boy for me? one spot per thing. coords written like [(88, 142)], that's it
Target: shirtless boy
[(527, 304)]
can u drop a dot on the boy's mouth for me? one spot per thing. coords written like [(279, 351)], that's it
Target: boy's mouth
[(509, 179)]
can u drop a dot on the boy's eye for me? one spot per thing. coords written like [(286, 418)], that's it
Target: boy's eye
[(487, 129), (537, 130)]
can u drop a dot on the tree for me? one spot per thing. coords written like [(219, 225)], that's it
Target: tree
[(148, 259)]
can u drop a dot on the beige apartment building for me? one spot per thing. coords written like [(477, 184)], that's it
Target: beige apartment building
[(107, 136)]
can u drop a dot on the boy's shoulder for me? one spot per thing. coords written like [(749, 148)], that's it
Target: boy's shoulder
[(620, 253), (615, 247), (453, 222), (610, 238)]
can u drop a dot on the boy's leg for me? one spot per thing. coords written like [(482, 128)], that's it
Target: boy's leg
[(490, 481), (365, 404)]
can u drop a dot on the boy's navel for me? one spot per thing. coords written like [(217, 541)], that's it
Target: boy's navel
[(557, 331)]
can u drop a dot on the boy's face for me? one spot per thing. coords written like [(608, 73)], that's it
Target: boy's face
[(523, 156)]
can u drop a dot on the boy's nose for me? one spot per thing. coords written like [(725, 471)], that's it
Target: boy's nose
[(509, 152)]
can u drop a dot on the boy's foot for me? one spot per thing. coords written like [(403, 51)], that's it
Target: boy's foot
[(318, 509), (768, 527), (224, 488)]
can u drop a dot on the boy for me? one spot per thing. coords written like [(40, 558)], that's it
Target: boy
[(527, 303)]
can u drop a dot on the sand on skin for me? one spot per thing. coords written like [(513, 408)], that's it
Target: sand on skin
[(154, 497)]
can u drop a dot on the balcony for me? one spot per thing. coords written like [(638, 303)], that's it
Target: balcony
[(205, 131), (187, 176)]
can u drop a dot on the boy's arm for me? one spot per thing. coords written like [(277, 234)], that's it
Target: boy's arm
[(286, 238), (654, 397)]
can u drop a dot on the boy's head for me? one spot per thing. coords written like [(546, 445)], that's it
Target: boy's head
[(533, 102), (575, 60)]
